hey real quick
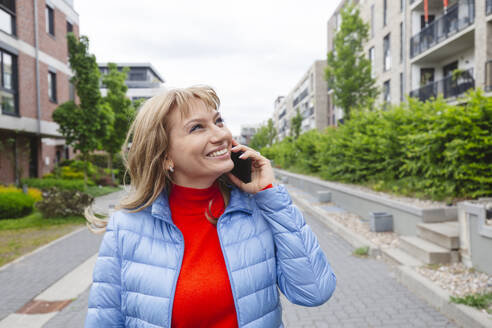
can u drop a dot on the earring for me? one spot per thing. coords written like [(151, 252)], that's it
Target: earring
[(171, 169)]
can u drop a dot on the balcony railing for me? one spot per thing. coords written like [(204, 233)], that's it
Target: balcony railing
[(488, 7), (450, 86), (457, 18), (488, 75)]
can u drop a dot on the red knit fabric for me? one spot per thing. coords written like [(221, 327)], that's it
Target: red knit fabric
[(203, 296)]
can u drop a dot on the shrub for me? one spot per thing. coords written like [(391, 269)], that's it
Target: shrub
[(33, 192), (60, 183), (69, 173), (62, 203), (105, 181), (15, 204)]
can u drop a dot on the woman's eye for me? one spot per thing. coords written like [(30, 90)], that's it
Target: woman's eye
[(195, 127)]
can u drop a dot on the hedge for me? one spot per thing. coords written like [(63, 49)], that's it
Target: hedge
[(15, 205), (59, 183), (432, 149)]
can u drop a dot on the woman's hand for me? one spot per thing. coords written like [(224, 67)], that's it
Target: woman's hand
[(261, 170)]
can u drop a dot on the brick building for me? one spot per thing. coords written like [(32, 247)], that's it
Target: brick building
[(35, 76)]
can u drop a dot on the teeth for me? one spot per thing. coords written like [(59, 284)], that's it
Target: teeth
[(218, 153)]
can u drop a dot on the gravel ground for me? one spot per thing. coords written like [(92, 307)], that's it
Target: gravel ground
[(455, 278)]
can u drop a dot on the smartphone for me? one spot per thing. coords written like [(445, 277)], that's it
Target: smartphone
[(242, 167)]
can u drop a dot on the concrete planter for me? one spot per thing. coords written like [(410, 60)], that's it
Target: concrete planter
[(475, 235), (381, 222)]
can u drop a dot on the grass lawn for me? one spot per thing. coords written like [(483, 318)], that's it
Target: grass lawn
[(97, 191), (23, 235)]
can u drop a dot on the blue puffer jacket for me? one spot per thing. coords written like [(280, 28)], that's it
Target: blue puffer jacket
[(265, 241)]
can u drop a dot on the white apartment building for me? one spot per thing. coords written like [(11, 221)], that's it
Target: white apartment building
[(310, 97), (143, 80), (447, 55), (247, 132)]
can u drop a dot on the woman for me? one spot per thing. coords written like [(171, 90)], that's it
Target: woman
[(188, 248)]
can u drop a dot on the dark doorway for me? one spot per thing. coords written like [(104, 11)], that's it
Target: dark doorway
[(449, 68), (422, 20)]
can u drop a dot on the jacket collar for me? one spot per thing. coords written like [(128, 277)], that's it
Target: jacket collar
[(240, 201)]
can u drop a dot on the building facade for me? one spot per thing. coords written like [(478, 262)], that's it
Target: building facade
[(310, 97), (35, 76), (444, 51), (143, 80), (247, 132)]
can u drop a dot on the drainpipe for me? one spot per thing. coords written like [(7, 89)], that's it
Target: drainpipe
[(36, 47)]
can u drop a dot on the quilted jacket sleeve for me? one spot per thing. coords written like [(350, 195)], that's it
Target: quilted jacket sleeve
[(304, 274), (105, 295)]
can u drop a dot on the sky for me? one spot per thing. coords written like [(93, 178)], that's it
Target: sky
[(250, 52)]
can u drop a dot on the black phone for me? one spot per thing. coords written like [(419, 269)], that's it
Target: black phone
[(242, 167)]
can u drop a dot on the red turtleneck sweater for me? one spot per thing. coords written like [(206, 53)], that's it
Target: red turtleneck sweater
[(203, 296)]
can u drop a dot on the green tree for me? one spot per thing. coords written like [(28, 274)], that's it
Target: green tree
[(295, 124), (265, 136), (349, 71), (123, 112), (83, 123)]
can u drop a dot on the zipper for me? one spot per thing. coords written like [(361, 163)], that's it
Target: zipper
[(175, 282), (219, 221)]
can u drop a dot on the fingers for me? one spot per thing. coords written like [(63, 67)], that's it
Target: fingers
[(248, 152), (235, 180)]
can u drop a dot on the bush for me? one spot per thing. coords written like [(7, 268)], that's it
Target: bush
[(106, 181), (33, 192), (432, 149), (15, 204), (69, 173), (59, 183), (62, 203)]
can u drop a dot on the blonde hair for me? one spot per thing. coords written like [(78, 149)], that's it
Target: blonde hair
[(145, 149)]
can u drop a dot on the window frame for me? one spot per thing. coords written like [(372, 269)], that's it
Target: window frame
[(385, 13), (387, 92), (50, 20), (15, 88)]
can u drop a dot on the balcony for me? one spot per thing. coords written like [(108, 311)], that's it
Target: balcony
[(458, 17), (450, 86), (488, 7)]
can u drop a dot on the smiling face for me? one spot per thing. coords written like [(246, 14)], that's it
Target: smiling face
[(199, 146)]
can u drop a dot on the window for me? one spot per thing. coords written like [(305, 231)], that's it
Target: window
[(401, 42), (386, 93), (386, 53), (371, 59), (69, 27), (402, 87), (71, 90), (137, 74), (52, 86), (50, 20), (385, 12), (7, 16), (8, 87), (372, 21), (402, 5)]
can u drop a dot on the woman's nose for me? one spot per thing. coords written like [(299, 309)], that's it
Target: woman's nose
[(218, 134)]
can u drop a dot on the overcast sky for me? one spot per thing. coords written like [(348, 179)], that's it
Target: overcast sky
[(249, 51)]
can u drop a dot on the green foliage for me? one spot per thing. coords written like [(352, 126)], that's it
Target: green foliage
[(264, 136), (62, 203), (123, 110), (15, 204), (479, 301), (361, 251), (428, 150), (59, 183), (83, 125), (295, 124), (349, 71)]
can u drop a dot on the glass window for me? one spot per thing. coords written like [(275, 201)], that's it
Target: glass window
[(371, 59), (402, 87), (8, 85), (50, 20), (7, 71), (372, 20), (386, 53), (386, 92), (401, 42), (385, 12), (69, 27), (52, 86), (6, 22)]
